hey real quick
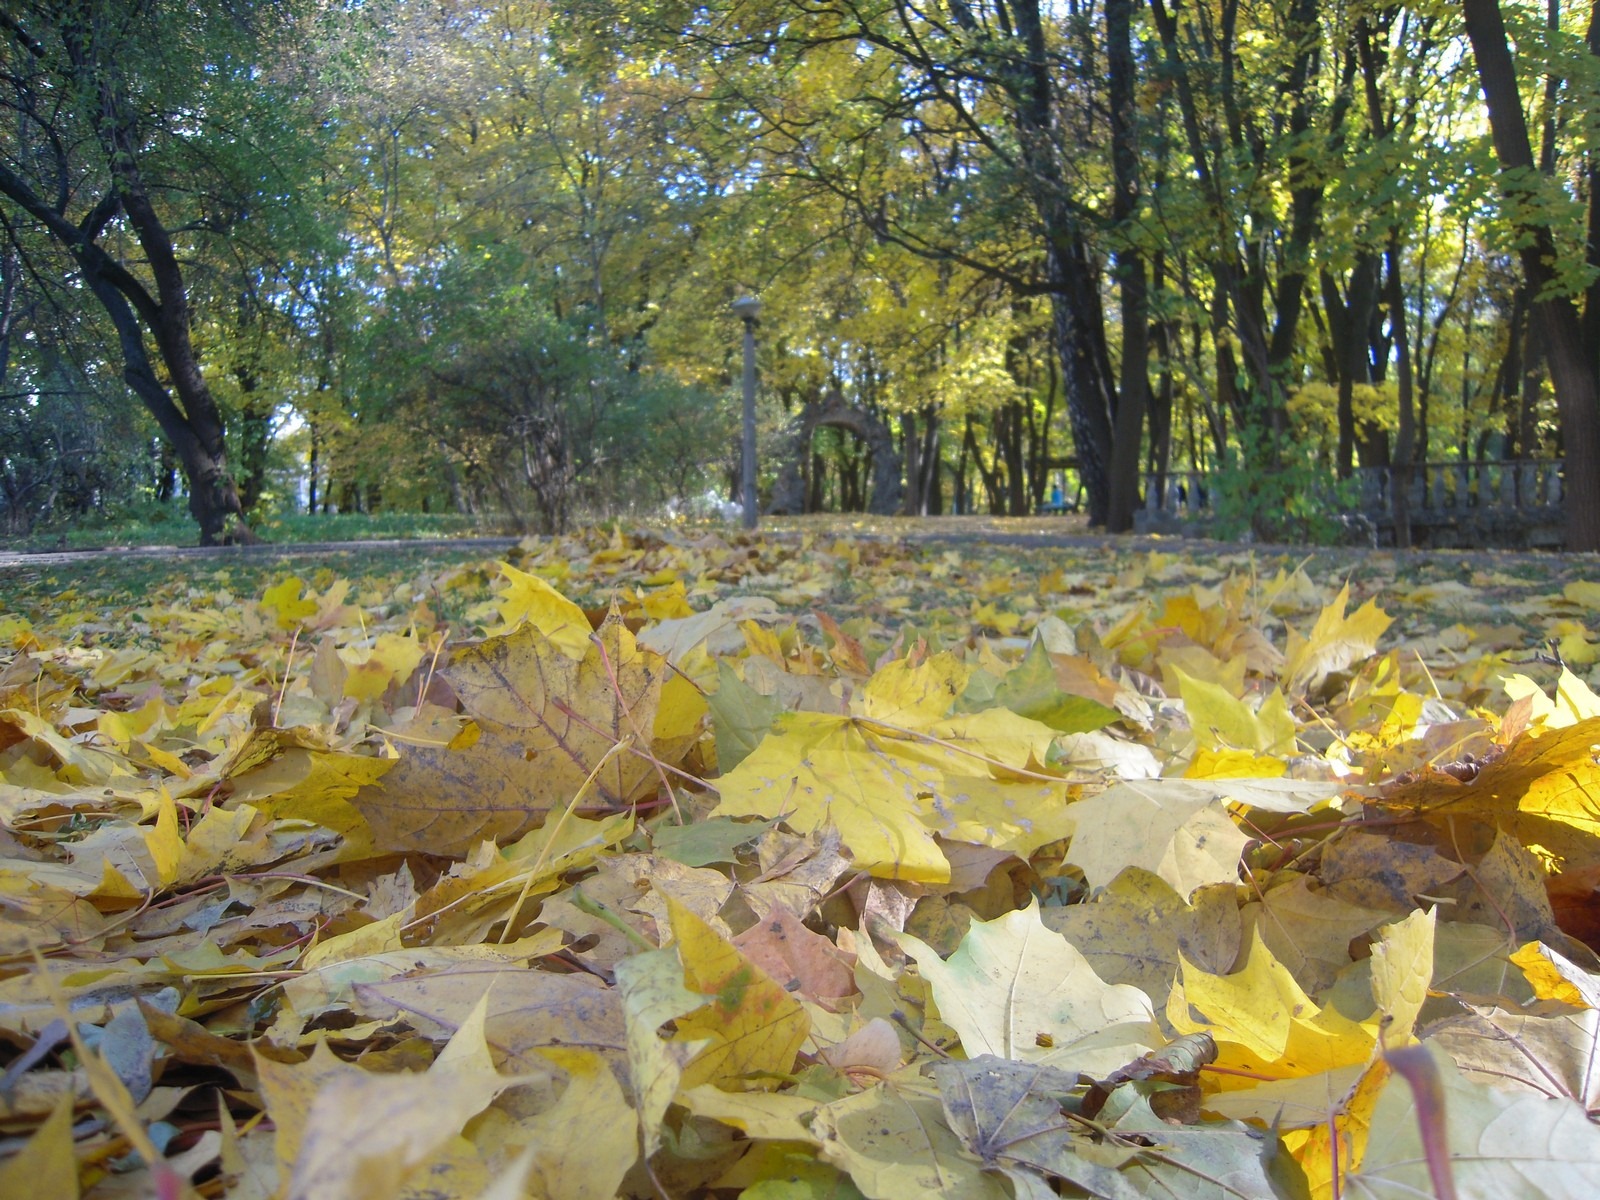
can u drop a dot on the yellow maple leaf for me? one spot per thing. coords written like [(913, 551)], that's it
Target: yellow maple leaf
[(754, 1027), (1541, 791), (391, 659), (16, 632), (583, 1145), (1574, 644), (1265, 1025), (1544, 970), (762, 642), (888, 794), (1233, 764), (1574, 699), (1223, 722), (284, 598), (665, 603), (546, 721), (988, 616), (908, 693), (1583, 593), (1334, 643), (1329, 1149), (527, 598), (346, 1131), (1402, 970), (46, 1164), (163, 842)]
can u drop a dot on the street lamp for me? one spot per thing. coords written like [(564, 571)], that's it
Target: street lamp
[(748, 310)]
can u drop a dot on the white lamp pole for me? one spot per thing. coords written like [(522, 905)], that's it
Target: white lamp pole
[(748, 310)]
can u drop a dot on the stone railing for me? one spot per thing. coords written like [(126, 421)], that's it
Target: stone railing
[(1445, 488), (1503, 503)]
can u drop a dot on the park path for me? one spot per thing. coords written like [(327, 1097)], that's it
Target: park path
[(50, 558), (1022, 532)]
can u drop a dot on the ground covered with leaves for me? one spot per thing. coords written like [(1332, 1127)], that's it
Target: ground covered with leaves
[(672, 864)]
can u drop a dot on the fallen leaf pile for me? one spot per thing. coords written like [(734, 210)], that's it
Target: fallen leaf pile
[(674, 865)]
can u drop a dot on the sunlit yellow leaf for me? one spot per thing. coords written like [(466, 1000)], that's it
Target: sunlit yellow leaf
[(164, 842), (1233, 764), (1334, 643), (529, 599), (1266, 1027), (888, 795), (284, 600)]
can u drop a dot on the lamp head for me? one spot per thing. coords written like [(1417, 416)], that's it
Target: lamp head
[(747, 308)]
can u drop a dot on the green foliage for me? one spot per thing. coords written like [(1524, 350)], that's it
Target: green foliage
[(1298, 502), (504, 393)]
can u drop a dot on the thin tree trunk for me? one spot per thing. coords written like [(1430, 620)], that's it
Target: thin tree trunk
[(932, 465), (1132, 280), (1009, 432), (1077, 324), (1406, 436)]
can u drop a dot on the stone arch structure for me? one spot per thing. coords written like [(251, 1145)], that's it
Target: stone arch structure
[(789, 493)]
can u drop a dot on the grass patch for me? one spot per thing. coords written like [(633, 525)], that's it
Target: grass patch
[(170, 525), (362, 527)]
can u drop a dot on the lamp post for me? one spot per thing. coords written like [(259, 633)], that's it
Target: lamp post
[(748, 310)]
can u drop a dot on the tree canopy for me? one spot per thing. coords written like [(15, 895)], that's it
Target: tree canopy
[(480, 256)]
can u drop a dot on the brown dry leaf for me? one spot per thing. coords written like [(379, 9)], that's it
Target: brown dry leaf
[(547, 721), (1309, 932), (525, 1010), (1547, 1053), (802, 962)]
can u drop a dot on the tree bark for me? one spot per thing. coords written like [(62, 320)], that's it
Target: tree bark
[(911, 447), (1077, 323), (1406, 436), (1591, 306), (1008, 425), (1132, 278)]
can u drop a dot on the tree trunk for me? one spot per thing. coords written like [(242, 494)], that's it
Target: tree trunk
[(1132, 284), (313, 465), (1573, 368), (255, 439), (198, 444), (1528, 410), (1348, 318), (192, 424), (1406, 436), (1077, 323), (931, 485), (911, 447), (1591, 306), (960, 500), (1008, 428)]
